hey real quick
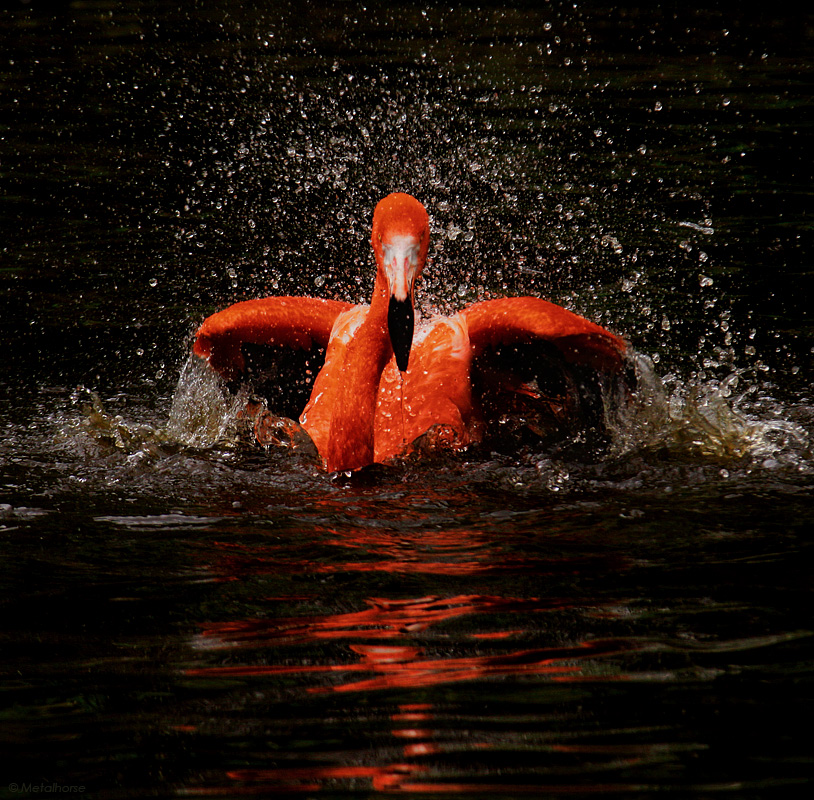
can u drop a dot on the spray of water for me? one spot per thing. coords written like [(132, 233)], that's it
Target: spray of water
[(542, 176), (202, 413), (701, 420)]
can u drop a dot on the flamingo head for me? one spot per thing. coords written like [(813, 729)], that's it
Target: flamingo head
[(401, 236)]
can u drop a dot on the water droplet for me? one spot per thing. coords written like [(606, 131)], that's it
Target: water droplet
[(612, 242), (705, 281), (658, 106)]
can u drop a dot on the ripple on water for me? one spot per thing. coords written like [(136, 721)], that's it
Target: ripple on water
[(167, 522)]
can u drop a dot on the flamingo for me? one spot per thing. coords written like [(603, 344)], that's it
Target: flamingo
[(367, 385)]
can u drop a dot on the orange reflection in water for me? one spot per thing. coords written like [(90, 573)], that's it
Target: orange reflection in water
[(310, 779), (402, 775), (409, 670), (382, 619), (394, 666), (387, 648), (399, 776), (457, 552)]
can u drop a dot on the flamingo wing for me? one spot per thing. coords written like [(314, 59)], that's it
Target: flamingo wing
[(276, 344), (540, 370)]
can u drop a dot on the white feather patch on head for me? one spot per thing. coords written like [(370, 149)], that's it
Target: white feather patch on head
[(400, 257)]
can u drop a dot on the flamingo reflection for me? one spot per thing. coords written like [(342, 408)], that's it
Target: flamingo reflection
[(396, 666), (382, 619), (457, 552), (414, 769), (390, 652)]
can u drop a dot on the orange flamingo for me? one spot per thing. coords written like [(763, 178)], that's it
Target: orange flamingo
[(367, 386)]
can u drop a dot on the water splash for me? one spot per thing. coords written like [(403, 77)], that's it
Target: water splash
[(696, 421), (112, 431), (701, 420), (205, 414), (202, 414)]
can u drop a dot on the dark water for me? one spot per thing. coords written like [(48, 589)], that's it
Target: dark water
[(185, 614)]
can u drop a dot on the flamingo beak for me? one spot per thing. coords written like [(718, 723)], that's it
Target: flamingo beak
[(400, 324), (401, 263)]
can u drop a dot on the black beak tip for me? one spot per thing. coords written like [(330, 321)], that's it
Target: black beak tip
[(400, 324), (402, 361)]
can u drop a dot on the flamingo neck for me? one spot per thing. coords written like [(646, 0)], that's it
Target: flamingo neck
[(351, 441)]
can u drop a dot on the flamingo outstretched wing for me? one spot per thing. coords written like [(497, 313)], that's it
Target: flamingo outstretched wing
[(541, 369), (277, 344), (514, 320)]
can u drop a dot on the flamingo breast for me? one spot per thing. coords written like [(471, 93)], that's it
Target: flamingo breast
[(434, 393)]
